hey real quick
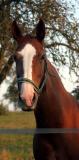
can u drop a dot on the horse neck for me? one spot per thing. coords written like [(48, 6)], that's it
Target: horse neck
[(50, 100), (54, 88), (55, 82)]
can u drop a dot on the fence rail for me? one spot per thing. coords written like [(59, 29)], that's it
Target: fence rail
[(39, 131)]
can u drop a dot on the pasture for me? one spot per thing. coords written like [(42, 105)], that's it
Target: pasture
[(16, 147)]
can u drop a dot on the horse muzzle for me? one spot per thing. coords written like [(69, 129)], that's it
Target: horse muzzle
[(24, 106), (28, 94)]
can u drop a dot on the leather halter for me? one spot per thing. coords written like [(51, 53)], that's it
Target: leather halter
[(43, 81)]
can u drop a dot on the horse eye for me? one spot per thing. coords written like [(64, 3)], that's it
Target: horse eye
[(14, 57), (42, 57), (17, 57)]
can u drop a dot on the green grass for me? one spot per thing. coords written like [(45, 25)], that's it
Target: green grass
[(16, 147), (17, 120)]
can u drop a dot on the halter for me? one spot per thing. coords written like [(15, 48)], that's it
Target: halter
[(43, 81)]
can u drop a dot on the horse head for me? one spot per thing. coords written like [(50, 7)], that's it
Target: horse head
[(30, 63)]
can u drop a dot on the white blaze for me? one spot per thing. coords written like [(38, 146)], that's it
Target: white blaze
[(28, 53), (27, 91)]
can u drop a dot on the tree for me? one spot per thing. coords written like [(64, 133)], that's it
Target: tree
[(62, 31), (12, 94), (75, 92)]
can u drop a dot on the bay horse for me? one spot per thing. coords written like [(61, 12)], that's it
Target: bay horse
[(40, 87)]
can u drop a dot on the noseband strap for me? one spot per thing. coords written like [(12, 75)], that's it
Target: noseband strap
[(43, 81), (23, 80)]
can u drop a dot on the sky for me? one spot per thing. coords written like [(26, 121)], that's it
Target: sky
[(68, 82), (76, 5)]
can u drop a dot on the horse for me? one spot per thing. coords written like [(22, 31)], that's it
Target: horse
[(41, 89)]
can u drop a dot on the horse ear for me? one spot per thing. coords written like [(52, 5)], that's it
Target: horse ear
[(16, 31), (40, 30)]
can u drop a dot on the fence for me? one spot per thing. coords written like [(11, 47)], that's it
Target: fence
[(39, 131)]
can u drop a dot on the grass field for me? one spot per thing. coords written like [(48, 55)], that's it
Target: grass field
[(16, 147)]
